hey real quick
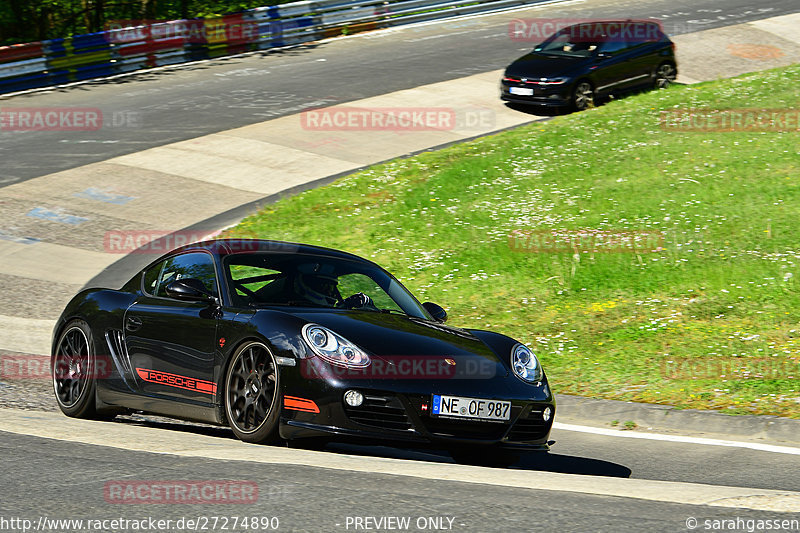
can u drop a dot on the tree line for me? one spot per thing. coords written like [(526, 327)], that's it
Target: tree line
[(23, 21)]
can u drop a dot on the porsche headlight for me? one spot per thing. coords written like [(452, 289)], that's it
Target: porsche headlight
[(525, 364), (334, 348)]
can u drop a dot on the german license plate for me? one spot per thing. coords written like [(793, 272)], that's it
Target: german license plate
[(522, 91), (474, 408)]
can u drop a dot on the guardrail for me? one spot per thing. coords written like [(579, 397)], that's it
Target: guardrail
[(132, 45)]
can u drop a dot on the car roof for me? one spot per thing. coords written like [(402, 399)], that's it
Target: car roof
[(601, 23), (604, 23), (224, 247)]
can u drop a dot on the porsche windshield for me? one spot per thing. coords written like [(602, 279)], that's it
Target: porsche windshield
[(305, 280)]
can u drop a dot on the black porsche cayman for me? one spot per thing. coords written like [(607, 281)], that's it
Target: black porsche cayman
[(281, 340)]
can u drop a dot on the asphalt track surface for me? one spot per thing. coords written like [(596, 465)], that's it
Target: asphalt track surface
[(312, 499), (159, 107), (67, 480)]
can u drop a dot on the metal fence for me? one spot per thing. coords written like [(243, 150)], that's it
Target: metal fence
[(126, 46)]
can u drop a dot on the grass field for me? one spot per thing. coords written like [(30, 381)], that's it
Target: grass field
[(702, 311)]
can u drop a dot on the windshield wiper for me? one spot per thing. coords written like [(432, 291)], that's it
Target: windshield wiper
[(393, 311), (376, 310)]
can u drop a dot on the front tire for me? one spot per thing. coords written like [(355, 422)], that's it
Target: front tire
[(582, 96), (252, 402), (74, 371)]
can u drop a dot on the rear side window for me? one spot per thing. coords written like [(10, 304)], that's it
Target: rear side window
[(647, 32)]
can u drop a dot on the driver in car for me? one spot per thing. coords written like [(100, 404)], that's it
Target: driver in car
[(318, 289), (323, 290)]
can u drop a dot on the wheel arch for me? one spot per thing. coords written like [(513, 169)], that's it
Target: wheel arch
[(251, 392), (100, 309)]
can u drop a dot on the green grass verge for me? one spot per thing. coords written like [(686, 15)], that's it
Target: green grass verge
[(708, 321)]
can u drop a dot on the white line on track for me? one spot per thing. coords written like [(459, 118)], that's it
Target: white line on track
[(677, 438), (188, 444)]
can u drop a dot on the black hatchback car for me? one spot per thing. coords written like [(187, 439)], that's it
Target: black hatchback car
[(585, 62)]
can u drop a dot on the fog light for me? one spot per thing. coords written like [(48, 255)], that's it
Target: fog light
[(353, 398), (547, 413)]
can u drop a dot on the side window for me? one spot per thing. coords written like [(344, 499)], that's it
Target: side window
[(653, 34), (257, 284), (613, 45), (252, 278), (196, 265), (151, 278)]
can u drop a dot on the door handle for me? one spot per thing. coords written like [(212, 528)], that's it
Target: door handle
[(132, 323)]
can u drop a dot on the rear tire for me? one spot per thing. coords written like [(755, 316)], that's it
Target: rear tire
[(252, 403), (74, 371)]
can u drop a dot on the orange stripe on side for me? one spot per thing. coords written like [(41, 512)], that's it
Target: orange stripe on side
[(176, 380), (300, 404), (207, 387)]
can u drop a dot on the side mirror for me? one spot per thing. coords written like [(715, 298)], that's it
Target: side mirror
[(190, 289), (436, 311)]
